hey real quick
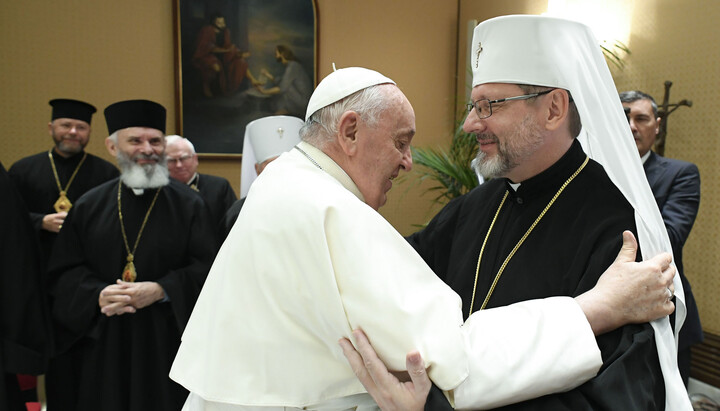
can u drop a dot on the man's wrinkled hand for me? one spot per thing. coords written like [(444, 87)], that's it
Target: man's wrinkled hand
[(53, 222), (630, 292), (142, 293), (113, 300), (388, 392)]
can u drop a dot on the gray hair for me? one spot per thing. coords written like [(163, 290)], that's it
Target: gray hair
[(635, 95), (174, 138), (574, 122), (369, 103), (113, 137)]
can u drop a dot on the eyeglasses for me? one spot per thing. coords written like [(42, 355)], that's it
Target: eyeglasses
[(483, 107), (182, 160)]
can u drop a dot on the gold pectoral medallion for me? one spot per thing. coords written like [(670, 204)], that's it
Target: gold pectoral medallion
[(63, 203), (129, 274)]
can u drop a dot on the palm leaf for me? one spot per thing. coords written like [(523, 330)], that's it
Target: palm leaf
[(448, 169)]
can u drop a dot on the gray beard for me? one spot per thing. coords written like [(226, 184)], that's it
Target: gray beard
[(64, 148), (489, 168), (143, 176), (524, 142)]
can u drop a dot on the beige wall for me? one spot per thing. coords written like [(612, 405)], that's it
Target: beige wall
[(103, 52), (677, 41)]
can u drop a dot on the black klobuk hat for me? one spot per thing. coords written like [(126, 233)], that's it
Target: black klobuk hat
[(69, 108), (135, 113)]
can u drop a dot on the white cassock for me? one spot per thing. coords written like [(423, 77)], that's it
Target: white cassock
[(307, 262)]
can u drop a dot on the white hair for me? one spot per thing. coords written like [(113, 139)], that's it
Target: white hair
[(174, 138), (369, 103)]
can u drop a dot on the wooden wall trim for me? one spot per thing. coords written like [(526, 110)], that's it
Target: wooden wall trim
[(705, 360)]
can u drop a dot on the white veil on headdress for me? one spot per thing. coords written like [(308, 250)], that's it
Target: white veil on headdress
[(554, 52)]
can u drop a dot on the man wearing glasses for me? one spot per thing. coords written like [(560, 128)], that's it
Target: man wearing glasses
[(551, 217), (183, 163)]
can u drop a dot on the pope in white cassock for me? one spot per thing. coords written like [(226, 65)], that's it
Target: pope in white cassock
[(310, 259)]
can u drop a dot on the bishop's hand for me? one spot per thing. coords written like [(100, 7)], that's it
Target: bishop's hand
[(388, 392)]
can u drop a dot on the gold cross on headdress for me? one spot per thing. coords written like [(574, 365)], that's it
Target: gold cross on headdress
[(477, 56)]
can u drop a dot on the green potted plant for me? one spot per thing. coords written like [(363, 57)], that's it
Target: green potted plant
[(448, 169)]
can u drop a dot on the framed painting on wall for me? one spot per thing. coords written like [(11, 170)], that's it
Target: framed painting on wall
[(240, 60)]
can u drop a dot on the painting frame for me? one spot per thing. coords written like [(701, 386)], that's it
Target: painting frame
[(212, 106)]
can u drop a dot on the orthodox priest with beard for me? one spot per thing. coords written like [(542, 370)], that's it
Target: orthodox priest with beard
[(51, 181), (127, 268)]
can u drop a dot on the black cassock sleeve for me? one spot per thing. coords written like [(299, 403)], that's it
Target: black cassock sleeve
[(24, 327)]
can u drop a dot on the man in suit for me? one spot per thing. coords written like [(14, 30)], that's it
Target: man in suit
[(676, 187), (183, 163)]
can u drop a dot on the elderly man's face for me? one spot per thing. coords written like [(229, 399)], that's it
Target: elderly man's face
[(182, 162), (140, 152), (643, 123), (70, 135), (384, 150), (142, 145), (509, 137)]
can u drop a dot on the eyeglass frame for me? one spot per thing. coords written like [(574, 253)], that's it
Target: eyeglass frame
[(473, 105), (182, 159)]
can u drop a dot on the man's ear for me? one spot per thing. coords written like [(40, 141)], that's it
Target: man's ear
[(111, 147), (347, 132), (50, 128), (558, 107)]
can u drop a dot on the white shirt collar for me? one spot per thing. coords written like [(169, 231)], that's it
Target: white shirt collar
[(646, 156), (192, 179), (332, 168)]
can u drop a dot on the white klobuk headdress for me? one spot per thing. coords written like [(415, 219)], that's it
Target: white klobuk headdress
[(265, 138), (554, 52)]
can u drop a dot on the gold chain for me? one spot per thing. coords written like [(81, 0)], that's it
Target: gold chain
[(519, 243), (130, 258), (63, 203)]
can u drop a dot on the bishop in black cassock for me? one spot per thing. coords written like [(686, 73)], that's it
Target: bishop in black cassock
[(35, 178), (125, 360), (565, 254), (125, 354), (40, 179)]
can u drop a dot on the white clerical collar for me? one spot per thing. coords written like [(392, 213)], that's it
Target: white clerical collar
[(138, 191), (645, 157), (331, 167), (192, 180), (514, 186)]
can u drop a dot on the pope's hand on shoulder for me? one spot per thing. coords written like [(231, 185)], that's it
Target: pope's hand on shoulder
[(629, 292)]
